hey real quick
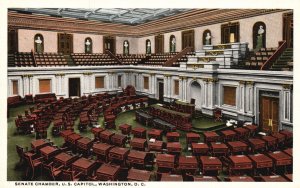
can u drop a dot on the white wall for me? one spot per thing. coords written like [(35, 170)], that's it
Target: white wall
[(79, 39)]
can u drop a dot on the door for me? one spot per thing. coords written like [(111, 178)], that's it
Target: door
[(161, 91), (74, 87), (159, 44), (230, 33), (188, 39), (269, 116), (12, 41), (65, 43), (288, 29), (109, 44)]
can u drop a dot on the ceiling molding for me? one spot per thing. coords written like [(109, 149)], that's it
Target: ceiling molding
[(182, 21)]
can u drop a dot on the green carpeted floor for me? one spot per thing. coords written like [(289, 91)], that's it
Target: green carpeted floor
[(17, 174)]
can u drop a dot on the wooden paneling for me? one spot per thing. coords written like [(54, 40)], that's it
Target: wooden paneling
[(146, 82), (65, 43), (176, 87), (159, 44), (269, 116), (288, 29), (188, 39), (45, 85), (229, 95), (229, 31), (12, 41), (99, 82), (15, 87)]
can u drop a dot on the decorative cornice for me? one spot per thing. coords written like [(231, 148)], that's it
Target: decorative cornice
[(167, 75), (213, 80), (183, 21), (152, 74), (182, 77), (27, 75), (242, 82)]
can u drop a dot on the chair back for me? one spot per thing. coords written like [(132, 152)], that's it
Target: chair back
[(20, 151), (66, 175)]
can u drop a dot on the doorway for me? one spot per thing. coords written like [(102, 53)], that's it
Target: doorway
[(288, 29), (188, 39), (230, 33), (196, 93), (74, 87), (159, 44), (161, 91), (109, 44), (65, 43), (269, 113)]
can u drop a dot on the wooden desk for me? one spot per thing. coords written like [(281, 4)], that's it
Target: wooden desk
[(289, 151), (200, 148), (273, 179), (84, 144), (171, 177), (118, 153), (165, 161), (38, 144), (239, 162), (257, 144), (138, 175), (143, 118), (66, 133), (108, 172), (188, 163), (218, 148), (105, 136), (174, 147), (240, 179), (192, 138), (271, 141), (252, 129), (211, 136), (173, 136), (64, 159), (261, 161), (155, 133), (156, 146), (96, 132), (136, 158), (139, 132), (72, 138), (288, 134), (205, 178), (84, 165), (242, 133), (102, 150), (49, 152), (161, 124), (208, 163), (138, 143), (125, 129), (280, 137), (280, 158), (237, 147), (119, 140), (228, 135)]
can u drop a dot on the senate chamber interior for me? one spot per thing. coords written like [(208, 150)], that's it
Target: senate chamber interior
[(142, 94)]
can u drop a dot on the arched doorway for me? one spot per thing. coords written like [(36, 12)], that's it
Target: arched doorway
[(195, 93)]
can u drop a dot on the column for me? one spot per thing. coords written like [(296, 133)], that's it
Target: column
[(241, 96), (185, 79), (211, 92), (205, 102), (287, 102), (26, 85), (249, 97), (180, 88)]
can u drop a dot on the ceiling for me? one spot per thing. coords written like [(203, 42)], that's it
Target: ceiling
[(130, 16)]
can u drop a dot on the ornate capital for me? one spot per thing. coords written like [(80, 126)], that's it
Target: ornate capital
[(152, 74), (27, 75), (242, 82), (251, 83), (287, 86), (60, 74), (167, 75), (213, 80), (87, 73), (182, 77)]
